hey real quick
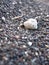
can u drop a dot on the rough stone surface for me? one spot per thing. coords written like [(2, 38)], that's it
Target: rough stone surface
[(14, 49)]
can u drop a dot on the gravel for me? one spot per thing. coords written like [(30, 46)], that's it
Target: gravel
[(14, 48)]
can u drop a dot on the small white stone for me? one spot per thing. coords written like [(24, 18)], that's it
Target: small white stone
[(7, 13), (26, 53), (36, 53), (31, 24), (47, 16), (9, 42), (5, 58), (24, 60), (29, 43), (1, 30), (20, 2), (3, 18), (14, 2), (18, 28), (24, 46), (6, 38), (1, 41)]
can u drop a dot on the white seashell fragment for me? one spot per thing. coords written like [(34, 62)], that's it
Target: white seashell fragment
[(31, 24)]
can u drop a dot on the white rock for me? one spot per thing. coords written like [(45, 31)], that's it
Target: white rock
[(36, 53), (5, 58), (31, 24), (26, 53), (24, 46), (29, 43), (14, 2), (1, 30), (3, 18), (47, 16)]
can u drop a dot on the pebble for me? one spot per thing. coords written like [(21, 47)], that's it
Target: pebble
[(29, 43), (46, 18), (47, 46), (24, 46), (1, 29), (16, 36), (36, 53), (26, 53), (14, 2), (33, 61), (3, 18), (30, 24), (5, 58), (35, 48)]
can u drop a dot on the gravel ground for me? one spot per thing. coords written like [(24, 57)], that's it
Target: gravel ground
[(14, 41)]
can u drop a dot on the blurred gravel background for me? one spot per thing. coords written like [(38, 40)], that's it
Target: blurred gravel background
[(14, 41)]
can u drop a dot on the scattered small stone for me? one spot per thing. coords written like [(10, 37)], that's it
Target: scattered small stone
[(22, 46)]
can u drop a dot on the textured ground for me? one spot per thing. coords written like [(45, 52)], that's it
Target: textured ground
[(14, 48)]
